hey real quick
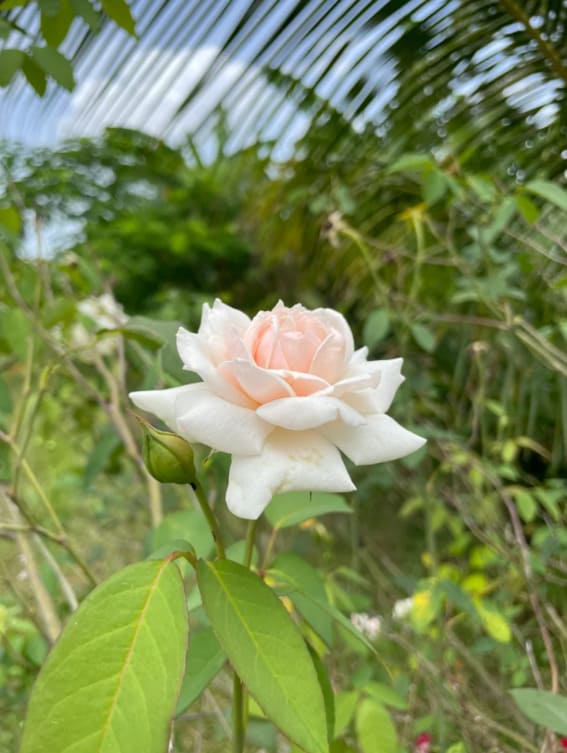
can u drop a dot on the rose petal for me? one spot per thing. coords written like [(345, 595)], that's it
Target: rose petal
[(162, 403), (226, 427), (218, 319), (336, 321), (329, 360), (261, 385), (288, 462), (304, 384), (299, 413), (388, 376), (194, 353), (380, 439)]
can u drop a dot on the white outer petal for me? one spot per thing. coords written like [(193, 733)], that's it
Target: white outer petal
[(220, 318), (288, 462), (226, 427), (162, 403), (379, 440), (195, 355), (300, 413)]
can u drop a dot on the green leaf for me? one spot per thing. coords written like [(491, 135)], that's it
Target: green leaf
[(386, 695), (55, 27), (205, 660), (10, 63), (55, 64), (546, 709), (266, 649), (529, 211), (376, 327), (84, 9), (326, 689), (435, 186), (424, 337), (549, 191), (410, 162), (295, 572), (345, 706), (375, 731), (119, 12), (100, 455), (493, 621), (291, 508), (111, 680), (183, 524), (10, 219), (34, 75), (49, 7)]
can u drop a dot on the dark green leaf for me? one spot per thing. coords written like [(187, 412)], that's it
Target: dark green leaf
[(291, 508), (84, 9), (10, 63), (56, 65), (34, 75), (266, 649), (49, 7), (112, 679), (100, 456), (54, 27), (327, 690), (119, 12), (204, 661)]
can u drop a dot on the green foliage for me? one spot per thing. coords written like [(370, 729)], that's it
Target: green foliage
[(544, 708), (291, 508), (113, 678), (266, 650)]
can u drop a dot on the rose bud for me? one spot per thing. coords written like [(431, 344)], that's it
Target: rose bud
[(168, 457)]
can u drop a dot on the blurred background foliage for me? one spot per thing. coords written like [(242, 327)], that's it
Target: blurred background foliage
[(423, 197)]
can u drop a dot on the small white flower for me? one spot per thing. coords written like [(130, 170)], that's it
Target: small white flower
[(105, 313), (284, 394), (402, 608), (368, 625)]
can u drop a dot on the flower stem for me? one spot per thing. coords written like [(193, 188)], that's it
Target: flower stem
[(210, 516), (237, 716), (239, 694)]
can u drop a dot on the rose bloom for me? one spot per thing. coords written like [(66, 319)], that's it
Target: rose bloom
[(284, 393)]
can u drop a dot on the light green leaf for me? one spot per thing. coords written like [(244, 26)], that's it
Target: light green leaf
[(345, 706), (424, 337), (291, 508), (183, 524), (266, 649), (410, 162), (375, 730), (386, 695), (529, 211), (493, 621), (111, 681), (376, 327), (205, 660), (548, 191), (543, 708), (119, 12), (10, 63), (54, 64)]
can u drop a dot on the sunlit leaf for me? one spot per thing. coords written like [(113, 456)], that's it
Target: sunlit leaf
[(266, 649), (290, 508), (375, 730), (112, 679)]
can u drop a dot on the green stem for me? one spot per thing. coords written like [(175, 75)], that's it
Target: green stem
[(237, 716), (210, 516), (250, 537), (239, 694)]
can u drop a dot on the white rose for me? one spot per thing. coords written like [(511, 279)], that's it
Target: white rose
[(282, 393)]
